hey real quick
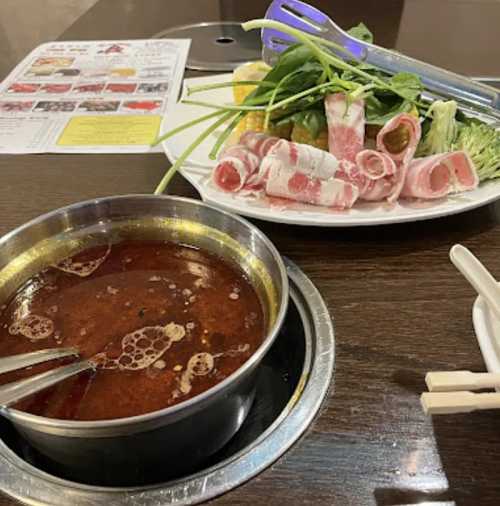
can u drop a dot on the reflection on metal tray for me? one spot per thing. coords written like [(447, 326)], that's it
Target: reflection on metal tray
[(294, 380), (216, 45)]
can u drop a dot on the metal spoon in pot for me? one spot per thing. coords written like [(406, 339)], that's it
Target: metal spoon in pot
[(13, 392), (478, 276)]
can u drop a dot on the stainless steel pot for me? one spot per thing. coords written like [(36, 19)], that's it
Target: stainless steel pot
[(177, 439)]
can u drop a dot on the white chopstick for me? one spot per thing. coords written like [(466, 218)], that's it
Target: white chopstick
[(449, 392), (443, 403), (450, 381)]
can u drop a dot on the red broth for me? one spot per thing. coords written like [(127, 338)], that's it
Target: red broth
[(164, 322)]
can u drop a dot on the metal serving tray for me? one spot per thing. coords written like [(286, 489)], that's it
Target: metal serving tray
[(294, 380)]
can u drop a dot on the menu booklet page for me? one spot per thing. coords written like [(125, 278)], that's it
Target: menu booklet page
[(91, 96)]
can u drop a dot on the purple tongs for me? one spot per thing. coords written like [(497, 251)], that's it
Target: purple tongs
[(441, 83)]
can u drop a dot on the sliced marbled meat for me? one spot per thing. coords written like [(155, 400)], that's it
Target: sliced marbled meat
[(438, 175), (346, 126), (399, 139), (305, 158), (294, 185), (258, 143), (298, 157), (380, 173), (236, 165), (374, 164), (463, 171)]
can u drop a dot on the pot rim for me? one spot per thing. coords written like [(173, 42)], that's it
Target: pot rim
[(188, 405)]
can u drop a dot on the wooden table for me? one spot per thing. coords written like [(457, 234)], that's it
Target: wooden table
[(400, 308)]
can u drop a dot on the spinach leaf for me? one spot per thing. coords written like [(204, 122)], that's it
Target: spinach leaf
[(289, 61), (304, 77), (313, 120), (349, 75), (379, 111), (408, 84), (361, 32)]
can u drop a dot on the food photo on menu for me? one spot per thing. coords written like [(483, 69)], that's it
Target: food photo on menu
[(267, 271)]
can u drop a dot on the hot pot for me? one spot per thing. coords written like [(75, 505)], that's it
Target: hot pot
[(177, 439)]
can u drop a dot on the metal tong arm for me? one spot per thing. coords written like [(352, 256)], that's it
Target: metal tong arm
[(309, 19), (13, 392), (446, 83), (36, 357)]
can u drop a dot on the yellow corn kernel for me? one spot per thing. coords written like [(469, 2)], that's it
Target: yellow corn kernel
[(241, 92), (301, 134), (248, 72), (254, 121)]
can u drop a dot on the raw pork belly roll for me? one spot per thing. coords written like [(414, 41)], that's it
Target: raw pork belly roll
[(258, 180), (379, 172), (375, 165), (349, 172), (463, 171), (291, 184), (300, 157), (307, 159), (368, 188), (346, 126), (438, 175), (258, 143), (236, 165), (399, 139)]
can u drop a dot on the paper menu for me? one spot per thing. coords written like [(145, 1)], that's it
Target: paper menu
[(90, 96)]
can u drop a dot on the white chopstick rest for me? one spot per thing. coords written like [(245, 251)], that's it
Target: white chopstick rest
[(478, 276), (450, 381), (443, 403)]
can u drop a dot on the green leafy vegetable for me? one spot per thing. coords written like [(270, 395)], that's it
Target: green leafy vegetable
[(289, 61), (482, 143), (442, 130), (349, 75), (361, 32), (407, 84), (313, 120), (379, 110), (332, 63)]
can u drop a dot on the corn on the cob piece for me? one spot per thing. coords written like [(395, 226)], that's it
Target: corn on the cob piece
[(254, 121), (249, 72), (301, 134)]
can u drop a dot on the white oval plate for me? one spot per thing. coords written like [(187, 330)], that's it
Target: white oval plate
[(198, 167)]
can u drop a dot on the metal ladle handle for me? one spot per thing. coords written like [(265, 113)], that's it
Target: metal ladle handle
[(13, 392), (14, 362)]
